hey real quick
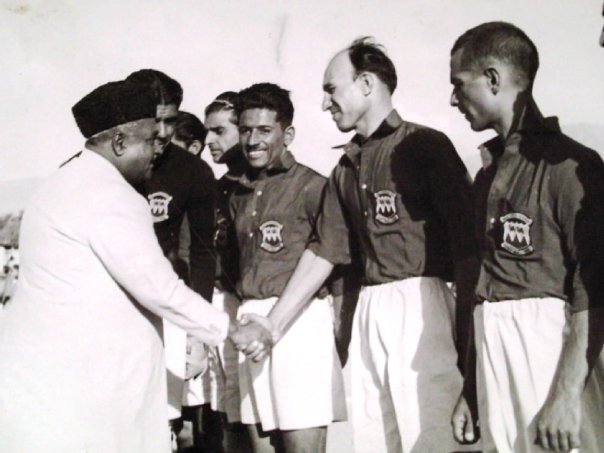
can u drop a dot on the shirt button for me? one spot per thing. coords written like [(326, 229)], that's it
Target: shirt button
[(364, 186), (226, 191), (365, 213), (251, 235), (492, 220), (259, 193), (254, 213)]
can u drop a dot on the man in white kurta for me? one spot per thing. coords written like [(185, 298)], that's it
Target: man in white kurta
[(82, 364)]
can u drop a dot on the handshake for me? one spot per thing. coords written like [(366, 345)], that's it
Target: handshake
[(254, 335)]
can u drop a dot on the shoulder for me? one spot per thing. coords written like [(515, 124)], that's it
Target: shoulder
[(416, 137), (179, 159), (307, 179), (570, 161), (303, 171), (424, 146)]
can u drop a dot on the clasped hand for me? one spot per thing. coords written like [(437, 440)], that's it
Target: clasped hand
[(253, 336)]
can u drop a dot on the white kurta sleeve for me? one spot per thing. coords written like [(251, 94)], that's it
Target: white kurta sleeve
[(125, 242)]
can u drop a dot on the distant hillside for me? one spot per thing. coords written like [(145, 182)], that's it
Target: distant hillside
[(15, 194)]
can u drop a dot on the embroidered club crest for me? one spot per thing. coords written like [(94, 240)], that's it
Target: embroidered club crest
[(385, 207), (272, 241), (159, 202), (517, 233)]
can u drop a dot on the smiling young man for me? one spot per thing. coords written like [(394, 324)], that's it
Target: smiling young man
[(291, 396), (539, 213)]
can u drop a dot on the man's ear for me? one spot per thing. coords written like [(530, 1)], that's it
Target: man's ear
[(195, 147), (117, 143), (367, 81), (493, 79), (289, 135)]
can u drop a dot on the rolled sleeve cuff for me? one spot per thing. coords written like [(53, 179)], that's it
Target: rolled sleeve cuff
[(334, 255)]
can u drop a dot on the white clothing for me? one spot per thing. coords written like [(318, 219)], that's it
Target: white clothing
[(219, 385), (300, 385), (519, 344), (80, 345), (175, 343), (404, 375)]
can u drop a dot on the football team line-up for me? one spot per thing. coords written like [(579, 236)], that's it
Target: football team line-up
[(161, 310)]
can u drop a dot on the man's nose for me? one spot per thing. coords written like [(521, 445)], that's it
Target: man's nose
[(162, 130), (453, 99), (326, 102), (254, 138)]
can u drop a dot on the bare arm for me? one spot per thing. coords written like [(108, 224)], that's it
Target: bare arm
[(309, 275), (559, 421), (580, 213)]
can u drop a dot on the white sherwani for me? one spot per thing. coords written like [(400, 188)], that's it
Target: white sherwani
[(81, 359)]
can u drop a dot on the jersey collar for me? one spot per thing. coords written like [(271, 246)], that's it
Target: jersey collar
[(390, 124), (282, 165), (531, 121)]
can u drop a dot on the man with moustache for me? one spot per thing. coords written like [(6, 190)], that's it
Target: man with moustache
[(218, 389), (224, 146), (80, 345), (539, 212), (400, 196), (180, 183), (290, 397)]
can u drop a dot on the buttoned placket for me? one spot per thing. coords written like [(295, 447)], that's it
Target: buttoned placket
[(255, 207), (364, 173)]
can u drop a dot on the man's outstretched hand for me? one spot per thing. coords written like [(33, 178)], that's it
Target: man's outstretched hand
[(253, 336)]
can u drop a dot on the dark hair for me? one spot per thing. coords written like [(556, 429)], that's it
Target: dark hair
[(167, 90), (189, 128), (502, 41), (224, 101), (367, 56), (267, 96)]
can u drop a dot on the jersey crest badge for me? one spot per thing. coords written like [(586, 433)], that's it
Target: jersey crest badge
[(272, 241), (385, 207), (159, 202), (517, 233)]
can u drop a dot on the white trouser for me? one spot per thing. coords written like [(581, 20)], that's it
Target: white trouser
[(404, 375), (518, 345), (300, 385)]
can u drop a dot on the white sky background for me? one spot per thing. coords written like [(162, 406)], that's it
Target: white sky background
[(54, 52)]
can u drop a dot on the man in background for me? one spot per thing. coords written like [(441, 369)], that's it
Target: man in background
[(189, 133), (180, 184), (225, 149)]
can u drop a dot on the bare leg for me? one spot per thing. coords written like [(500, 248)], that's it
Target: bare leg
[(311, 440)]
